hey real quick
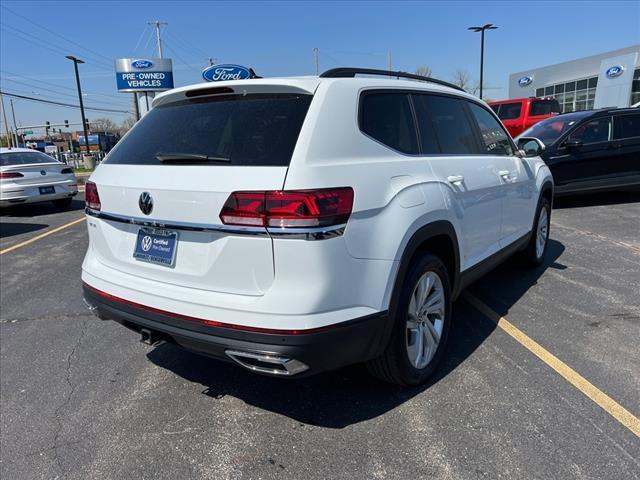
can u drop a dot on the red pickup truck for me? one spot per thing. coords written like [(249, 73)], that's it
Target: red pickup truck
[(518, 114)]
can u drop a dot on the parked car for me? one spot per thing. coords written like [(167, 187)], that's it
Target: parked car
[(518, 114), (296, 225), (590, 150), (30, 176)]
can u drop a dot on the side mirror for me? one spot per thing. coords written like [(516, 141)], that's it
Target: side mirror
[(573, 144), (531, 146)]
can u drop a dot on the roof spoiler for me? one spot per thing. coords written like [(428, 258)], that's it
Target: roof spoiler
[(350, 72)]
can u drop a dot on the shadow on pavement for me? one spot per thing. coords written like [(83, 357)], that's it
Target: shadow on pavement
[(39, 209), (9, 229), (348, 396), (595, 199)]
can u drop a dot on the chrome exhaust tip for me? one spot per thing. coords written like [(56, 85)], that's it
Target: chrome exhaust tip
[(267, 363)]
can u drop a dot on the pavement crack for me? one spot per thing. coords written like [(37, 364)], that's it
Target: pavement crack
[(72, 387), (46, 317)]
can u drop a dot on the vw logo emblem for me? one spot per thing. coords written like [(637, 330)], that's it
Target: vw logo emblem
[(42, 172), (145, 203), (146, 243)]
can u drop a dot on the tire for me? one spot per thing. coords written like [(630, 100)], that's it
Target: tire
[(62, 202), (399, 363), (533, 254)]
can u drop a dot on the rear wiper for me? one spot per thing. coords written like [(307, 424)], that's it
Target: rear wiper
[(189, 157)]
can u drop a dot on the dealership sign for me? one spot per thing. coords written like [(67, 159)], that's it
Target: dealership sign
[(615, 71), (525, 81), (144, 75), (220, 73)]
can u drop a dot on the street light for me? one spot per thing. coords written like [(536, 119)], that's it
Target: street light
[(76, 61), (488, 26)]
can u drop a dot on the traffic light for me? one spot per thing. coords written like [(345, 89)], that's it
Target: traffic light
[(66, 124), (47, 126)]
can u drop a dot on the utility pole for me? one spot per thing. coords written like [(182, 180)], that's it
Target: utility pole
[(488, 26), (157, 24), (15, 125), (389, 61), (6, 125), (212, 61), (76, 61), (316, 58)]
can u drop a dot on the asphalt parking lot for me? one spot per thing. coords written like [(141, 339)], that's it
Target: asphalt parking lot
[(83, 399)]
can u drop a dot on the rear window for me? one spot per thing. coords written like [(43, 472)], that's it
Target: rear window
[(544, 107), (24, 158), (509, 111), (626, 126), (255, 130)]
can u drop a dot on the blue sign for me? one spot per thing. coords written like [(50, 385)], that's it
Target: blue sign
[(93, 140), (144, 81), (524, 81), (615, 71), (142, 64), (220, 73), (156, 246)]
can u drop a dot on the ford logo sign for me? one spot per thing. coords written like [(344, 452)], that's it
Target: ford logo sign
[(524, 81), (615, 71), (220, 73), (142, 64)]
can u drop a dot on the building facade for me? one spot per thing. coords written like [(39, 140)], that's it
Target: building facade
[(610, 79)]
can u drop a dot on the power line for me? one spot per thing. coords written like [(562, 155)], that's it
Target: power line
[(42, 43), (144, 30), (64, 104), (56, 85), (186, 45), (181, 59), (57, 34), (38, 87)]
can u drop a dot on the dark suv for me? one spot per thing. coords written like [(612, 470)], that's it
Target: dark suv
[(590, 150)]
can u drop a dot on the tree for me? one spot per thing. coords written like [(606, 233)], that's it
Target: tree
[(104, 125), (126, 125), (462, 79), (424, 71)]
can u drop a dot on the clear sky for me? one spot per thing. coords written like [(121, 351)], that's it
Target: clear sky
[(278, 38)]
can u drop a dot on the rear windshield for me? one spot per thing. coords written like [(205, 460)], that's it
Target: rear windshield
[(544, 107), (509, 111), (255, 129), (551, 129), (24, 158)]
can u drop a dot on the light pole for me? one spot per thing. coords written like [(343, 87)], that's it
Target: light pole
[(15, 125), (76, 61), (488, 26)]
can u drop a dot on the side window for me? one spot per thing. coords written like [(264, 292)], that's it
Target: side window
[(495, 140), (428, 137), (449, 122), (510, 111), (598, 130), (387, 117), (626, 126)]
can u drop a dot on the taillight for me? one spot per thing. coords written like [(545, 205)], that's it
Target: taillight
[(91, 197), (289, 209), (11, 175)]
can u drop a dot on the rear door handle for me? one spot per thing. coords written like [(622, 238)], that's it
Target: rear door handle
[(505, 175), (455, 179)]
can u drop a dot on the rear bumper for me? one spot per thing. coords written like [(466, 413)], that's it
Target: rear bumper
[(314, 351), (13, 193)]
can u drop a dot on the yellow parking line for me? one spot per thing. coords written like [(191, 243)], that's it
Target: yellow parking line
[(609, 405), (42, 235)]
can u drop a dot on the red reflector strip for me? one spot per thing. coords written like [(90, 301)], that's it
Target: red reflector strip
[(202, 321)]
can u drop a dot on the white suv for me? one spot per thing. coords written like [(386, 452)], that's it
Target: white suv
[(297, 225)]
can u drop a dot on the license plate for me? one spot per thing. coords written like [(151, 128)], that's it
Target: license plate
[(47, 190), (156, 246)]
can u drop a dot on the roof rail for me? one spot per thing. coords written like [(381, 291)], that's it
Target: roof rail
[(350, 72)]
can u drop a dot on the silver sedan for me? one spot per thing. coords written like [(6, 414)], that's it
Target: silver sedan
[(30, 176)]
